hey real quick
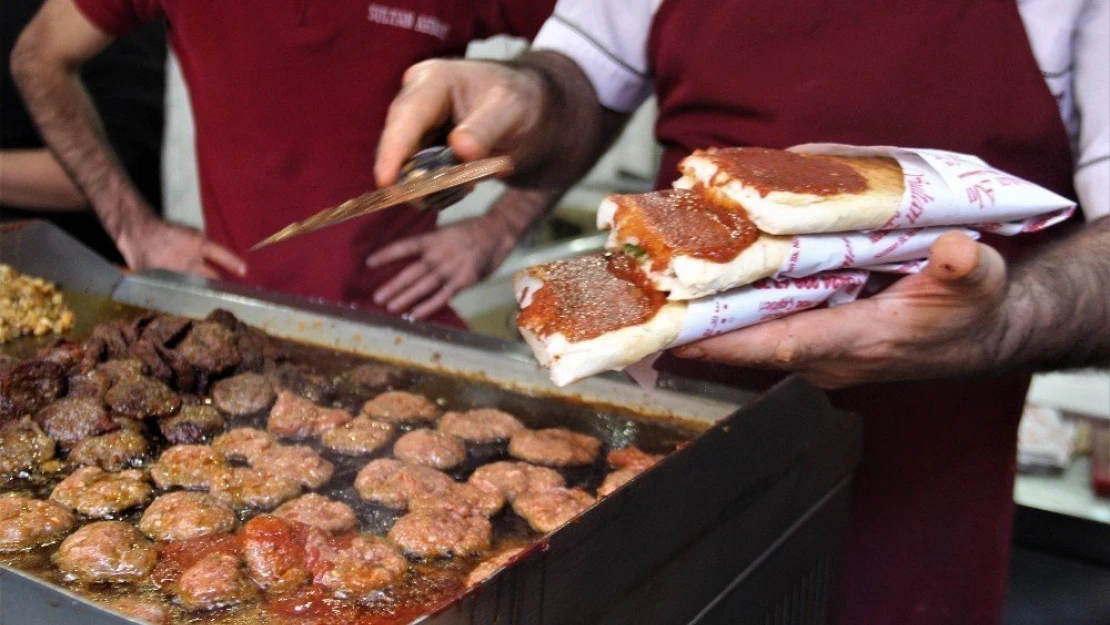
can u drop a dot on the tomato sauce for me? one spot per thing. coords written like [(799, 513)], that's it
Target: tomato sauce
[(778, 170), (666, 224)]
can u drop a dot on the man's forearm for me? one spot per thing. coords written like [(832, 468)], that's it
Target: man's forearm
[(33, 179), (1057, 307), (68, 122)]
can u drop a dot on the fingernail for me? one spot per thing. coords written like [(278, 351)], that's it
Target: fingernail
[(689, 352)]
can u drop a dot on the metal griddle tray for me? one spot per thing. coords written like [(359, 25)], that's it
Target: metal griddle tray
[(721, 530)]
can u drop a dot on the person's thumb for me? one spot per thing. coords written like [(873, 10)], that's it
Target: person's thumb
[(960, 263), (484, 130)]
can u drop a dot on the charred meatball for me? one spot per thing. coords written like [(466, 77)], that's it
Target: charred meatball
[(483, 425), (106, 551), (392, 483), (188, 466), (70, 420), (28, 387), (183, 515), (441, 533), (359, 437), (463, 499), (122, 370), (354, 566), (114, 451), (192, 424), (512, 479), (245, 444), (274, 552), (243, 487), (244, 394), (554, 447), (296, 463), (94, 492), (23, 446), (430, 448), (401, 407), (488, 567), (302, 381), (295, 417), (27, 523), (547, 510), (320, 512), (218, 580), (210, 347), (141, 398), (93, 384)]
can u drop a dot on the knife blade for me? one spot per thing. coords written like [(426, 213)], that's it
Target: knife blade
[(419, 183)]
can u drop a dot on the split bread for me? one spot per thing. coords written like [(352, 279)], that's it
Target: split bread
[(786, 192), (688, 247)]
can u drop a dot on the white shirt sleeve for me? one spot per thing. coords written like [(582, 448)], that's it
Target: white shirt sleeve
[(609, 41)]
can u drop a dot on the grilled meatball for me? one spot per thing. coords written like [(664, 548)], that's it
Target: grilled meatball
[(165, 329), (320, 512), (242, 487), (464, 499), (183, 515), (243, 443), (93, 384), (27, 523), (358, 437), (216, 581), (631, 458), (354, 566), (141, 398), (69, 421), (392, 483), (301, 381), (210, 347), (147, 612), (246, 393), (483, 425), (192, 424), (430, 448), (441, 533), (113, 337), (122, 369), (295, 463), (114, 451), (616, 479), (28, 387), (401, 407), (94, 492), (23, 446), (149, 353), (554, 447), (295, 417), (106, 551), (488, 567), (356, 385), (547, 510), (188, 466), (274, 552), (68, 355), (512, 479)]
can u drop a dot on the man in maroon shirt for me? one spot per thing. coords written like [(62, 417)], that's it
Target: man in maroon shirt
[(289, 98)]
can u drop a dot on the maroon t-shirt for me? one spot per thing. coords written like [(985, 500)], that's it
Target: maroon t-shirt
[(289, 98)]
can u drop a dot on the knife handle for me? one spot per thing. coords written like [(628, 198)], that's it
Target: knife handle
[(426, 161)]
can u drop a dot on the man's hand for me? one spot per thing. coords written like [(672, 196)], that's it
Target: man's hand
[(945, 321), (162, 245)]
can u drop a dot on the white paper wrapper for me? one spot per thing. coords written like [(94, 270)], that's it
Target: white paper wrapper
[(947, 188), (765, 300), (811, 254)]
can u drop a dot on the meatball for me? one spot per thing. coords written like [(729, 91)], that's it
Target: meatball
[(547, 510), (243, 443), (147, 612), (358, 437), (463, 499), (244, 394), (242, 487), (301, 381), (165, 329), (441, 533), (401, 407), (114, 451), (296, 463), (28, 387), (483, 425), (354, 566), (93, 384), (616, 479), (122, 369), (392, 483), (274, 552), (430, 448), (27, 523), (142, 397), (106, 551), (94, 492), (183, 515), (295, 417), (371, 378), (70, 420), (210, 347), (320, 512), (216, 581), (488, 567), (192, 424), (631, 458), (512, 479), (554, 447), (188, 466), (23, 446)]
